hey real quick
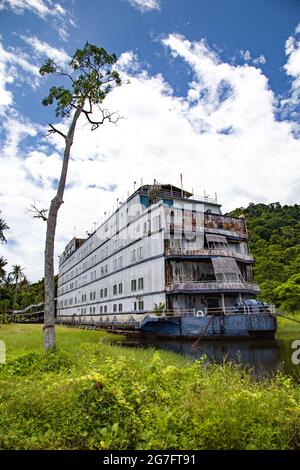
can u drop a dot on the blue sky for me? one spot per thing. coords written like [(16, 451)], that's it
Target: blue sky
[(214, 94)]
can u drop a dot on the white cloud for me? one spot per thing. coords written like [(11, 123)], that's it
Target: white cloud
[(44, 49), (223, 136), (292, 66), (17, 58), (247, 57), (10, 63), (145, 5), (39, 7), (44, 9)]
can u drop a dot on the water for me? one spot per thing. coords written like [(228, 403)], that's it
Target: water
[(263, 357)]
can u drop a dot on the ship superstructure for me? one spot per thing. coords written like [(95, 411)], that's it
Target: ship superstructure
[(163, 249)]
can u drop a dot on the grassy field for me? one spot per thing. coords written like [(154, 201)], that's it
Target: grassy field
[(287, 325), (91, 395)]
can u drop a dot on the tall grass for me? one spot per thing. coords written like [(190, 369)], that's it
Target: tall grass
[(91, 395)]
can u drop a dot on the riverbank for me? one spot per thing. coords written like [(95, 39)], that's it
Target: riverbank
[(91, 395), (287, 324)]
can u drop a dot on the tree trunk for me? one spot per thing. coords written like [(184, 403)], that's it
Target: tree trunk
[(49, 312), (15, 294)]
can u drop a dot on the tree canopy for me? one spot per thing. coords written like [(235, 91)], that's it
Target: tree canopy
[(274, 235)]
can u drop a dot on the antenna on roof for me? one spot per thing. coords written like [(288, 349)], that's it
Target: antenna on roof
[(181, 185), (134, 183)]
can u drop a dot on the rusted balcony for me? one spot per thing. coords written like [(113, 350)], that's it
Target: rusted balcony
[(208, 252), (212, 286), (223, 222)]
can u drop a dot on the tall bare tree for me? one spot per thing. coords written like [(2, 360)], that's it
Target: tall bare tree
[(91, 75)]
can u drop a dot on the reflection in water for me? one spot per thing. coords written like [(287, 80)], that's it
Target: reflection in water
[(263, 357)]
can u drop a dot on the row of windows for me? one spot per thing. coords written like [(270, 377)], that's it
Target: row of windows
[(135, 255), (136, 284), (111, 246), (117, 308)]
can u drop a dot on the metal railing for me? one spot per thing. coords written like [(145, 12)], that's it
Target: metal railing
[(241, 309), (211, 285), (207, 252)]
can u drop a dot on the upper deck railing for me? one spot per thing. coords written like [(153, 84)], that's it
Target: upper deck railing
[(212, 286), (208, 252)]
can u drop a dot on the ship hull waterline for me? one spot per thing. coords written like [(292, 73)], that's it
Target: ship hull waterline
[(254, 326)]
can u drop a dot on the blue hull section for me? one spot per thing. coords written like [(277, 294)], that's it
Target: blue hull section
[(211, 327)]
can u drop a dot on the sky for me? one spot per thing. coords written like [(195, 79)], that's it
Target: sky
[(211, 89)]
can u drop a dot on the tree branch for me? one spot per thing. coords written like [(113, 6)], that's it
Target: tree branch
[(38, 213), (106, 116), (54, 130)]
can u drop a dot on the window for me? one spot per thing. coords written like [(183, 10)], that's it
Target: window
[(101, 309), (141, 283), (105, 308), (141, 305), (120, 288), (94, 309), (133, 307), (156, 223), (115, 289), (120, 307), (133, 255), (114, 264), (140, 252), (133, 285), (120, 261), (101, 293), (91, 295), (105, 292), (115, 308), (94, 295)]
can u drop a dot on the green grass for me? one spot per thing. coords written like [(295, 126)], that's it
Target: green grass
[(91, 395), (284, 325)]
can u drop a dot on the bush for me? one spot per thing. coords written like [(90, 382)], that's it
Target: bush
[(90, 395)]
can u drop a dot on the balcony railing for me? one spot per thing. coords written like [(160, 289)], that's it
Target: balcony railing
[(212, 286), (226, 233), (208, 252)]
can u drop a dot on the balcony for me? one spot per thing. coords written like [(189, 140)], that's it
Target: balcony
[(208, 252), (211, 286)]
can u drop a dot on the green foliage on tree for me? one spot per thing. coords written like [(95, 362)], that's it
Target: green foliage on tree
[(274, 235), (288, 294), (3, 227)]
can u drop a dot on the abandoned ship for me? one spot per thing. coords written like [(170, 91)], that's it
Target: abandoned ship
[(165, 263)]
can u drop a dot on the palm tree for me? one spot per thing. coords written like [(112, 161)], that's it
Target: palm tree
[(16, 276), (3, 226), (3, 263)]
